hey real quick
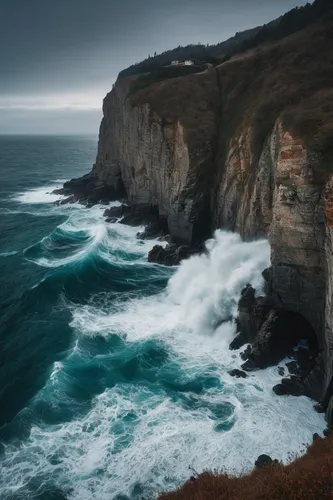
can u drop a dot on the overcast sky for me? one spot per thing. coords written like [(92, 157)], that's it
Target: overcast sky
[(58, 58)]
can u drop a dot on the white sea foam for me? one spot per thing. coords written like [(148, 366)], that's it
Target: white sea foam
[(191, 320), (102, 237), (40, 195), (169, 438), (8, 254)]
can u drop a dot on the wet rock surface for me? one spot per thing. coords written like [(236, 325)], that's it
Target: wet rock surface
[(88, 190), (113, 213), (288, 387), (238, 373), (171, 255), (273, 334), (264, 461)]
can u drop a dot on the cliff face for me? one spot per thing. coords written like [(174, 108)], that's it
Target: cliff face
[(217, 150), (150, 155), (279, 198)]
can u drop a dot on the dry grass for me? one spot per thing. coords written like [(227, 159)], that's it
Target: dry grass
[(307, 478)]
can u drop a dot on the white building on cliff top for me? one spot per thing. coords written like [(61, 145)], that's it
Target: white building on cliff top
[(182, 63)]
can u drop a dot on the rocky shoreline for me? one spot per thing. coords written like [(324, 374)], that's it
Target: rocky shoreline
[(86, 191), (243, 162), (269, 332)]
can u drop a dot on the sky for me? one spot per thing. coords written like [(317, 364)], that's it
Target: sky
[(58, 58)]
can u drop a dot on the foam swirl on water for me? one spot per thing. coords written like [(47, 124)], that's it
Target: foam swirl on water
[(144, 391)]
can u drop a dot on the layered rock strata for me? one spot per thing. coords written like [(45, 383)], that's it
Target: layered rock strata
[(214, 150)]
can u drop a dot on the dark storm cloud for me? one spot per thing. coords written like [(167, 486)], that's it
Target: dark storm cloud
[(56, 47)]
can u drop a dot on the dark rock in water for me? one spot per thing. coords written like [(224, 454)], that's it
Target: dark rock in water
[(171, 255), (250, 366), (288, 387), (316, 436), (238, 342), (293, 368), (116, 212), (281, 371), (252, 312), (264, 461), (280, 390), (329, 413), (267, 274), (155, 226), (86, 189), (319, 408), (140, 216), (132, 220), (277, 337), (247, 353), (313, 385), (247, 296), (112, 220), (305, 359), (238, 373), (273, 333), (327, 432), (65, 201), (154, 229)]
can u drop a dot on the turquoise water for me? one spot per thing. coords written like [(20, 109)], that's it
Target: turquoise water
[(113, 371)]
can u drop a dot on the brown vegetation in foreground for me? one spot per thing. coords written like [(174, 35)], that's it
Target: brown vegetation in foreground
[(291, 80), (307, 478)]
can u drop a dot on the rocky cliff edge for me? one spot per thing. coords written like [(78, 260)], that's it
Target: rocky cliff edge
[(245, 146)]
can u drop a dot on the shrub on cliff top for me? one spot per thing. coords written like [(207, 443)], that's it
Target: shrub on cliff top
[(307, 478)]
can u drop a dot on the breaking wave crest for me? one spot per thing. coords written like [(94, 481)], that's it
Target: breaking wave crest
[(142, 390)]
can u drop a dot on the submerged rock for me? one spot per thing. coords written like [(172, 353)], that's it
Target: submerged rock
[(293, 367), (155, 229), (277, 337), (238, 342), (87, 189), (247, 353), (264, 461), (288, 387), (250, 366), (171, 255), (116, 212), (281, 371), (238, 373)]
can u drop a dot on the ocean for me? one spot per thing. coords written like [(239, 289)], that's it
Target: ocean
[(114, 376)]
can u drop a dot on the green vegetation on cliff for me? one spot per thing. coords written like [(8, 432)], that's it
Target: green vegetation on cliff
[(294, 20)]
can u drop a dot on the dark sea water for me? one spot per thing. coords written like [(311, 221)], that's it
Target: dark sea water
[(114, 372)]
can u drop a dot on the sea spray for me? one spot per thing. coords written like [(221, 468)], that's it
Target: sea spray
[(160, 397), (116, 375)]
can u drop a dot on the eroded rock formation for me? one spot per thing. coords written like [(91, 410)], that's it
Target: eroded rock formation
[(217, 150)]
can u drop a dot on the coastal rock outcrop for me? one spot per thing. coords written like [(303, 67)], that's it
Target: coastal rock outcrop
[(227, 148), (171, 255)]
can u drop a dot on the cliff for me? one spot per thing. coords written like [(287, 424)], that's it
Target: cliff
[(246, 146), (164, 161)]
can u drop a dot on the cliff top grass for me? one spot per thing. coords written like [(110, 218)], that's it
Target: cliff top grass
[(307, 478)]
